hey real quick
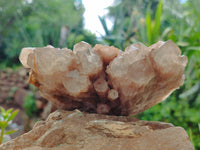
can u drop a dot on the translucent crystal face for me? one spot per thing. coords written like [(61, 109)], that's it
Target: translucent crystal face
[(104, 79)]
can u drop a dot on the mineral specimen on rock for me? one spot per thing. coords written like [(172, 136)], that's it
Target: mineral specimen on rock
[(80, 131), (104, 79)]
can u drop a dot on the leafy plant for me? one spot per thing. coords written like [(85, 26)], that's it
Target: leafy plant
[(153, 26), (30, 105), (6, 117)]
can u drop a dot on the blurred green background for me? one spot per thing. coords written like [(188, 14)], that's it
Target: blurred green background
[(36, 23)]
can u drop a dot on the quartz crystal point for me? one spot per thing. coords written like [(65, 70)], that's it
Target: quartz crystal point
[(104, 79)]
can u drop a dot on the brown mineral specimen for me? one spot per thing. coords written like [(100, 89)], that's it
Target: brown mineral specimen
[(145, 76), (103, 79), (101, 87), (107, 53), (24, 55), (65, 130), (113, 95)]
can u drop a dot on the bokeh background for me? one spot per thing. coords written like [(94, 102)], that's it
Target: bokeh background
[(61, 23)]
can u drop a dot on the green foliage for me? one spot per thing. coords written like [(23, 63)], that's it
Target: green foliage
[(148, 26), (86, 36), (153, 26), (129, 22), (6, 117), (30, 105)]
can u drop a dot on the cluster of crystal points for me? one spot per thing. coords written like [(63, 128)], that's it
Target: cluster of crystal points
[(104, 79)]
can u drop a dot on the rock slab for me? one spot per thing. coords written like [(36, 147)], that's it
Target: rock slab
[(81, 131)]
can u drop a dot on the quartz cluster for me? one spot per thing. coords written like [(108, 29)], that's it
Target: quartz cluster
[(103, 79)]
